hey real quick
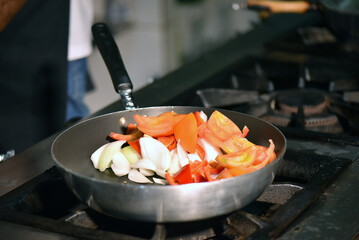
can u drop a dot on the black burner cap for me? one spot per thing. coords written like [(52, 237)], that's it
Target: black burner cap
[(300, 97)]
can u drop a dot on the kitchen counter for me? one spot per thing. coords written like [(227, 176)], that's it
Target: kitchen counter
[(334, 216)]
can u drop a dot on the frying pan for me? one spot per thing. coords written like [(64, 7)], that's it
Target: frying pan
[(121, 198), (342, 16)]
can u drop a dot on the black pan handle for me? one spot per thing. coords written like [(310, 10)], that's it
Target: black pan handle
[(114, 63)]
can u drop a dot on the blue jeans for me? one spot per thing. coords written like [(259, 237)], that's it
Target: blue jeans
[(76, 89)]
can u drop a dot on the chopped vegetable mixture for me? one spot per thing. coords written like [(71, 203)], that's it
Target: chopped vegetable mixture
[(182, 148)]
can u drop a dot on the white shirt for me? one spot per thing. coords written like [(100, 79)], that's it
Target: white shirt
[(81, 19)]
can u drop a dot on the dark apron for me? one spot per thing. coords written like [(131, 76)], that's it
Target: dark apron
[(33, 74)]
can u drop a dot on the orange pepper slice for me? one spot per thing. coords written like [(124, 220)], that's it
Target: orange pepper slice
[(186, 132)]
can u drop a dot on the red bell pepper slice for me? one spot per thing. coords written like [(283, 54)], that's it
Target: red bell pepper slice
[(171, 180), (132, 133), (198, 118), (126, 137), (135, 145), (184, 176), (131, 128)]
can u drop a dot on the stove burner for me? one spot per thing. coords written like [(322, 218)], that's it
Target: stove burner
[(312, 101), (303, 108)]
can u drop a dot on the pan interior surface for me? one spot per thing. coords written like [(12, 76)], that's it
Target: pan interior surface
[(119, 197)]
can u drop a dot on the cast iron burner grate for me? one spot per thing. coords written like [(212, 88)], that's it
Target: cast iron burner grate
[(46, 203), (303, 108)]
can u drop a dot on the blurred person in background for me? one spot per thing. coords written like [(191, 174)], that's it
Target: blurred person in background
[(33, 71), (79, 49)]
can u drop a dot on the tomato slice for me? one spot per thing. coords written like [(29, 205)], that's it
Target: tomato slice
[(235, 143), (267, 155), (168, 141), (245, 131), (186, 132), (241, 158), (200, 151), (208, 171), (240, 170), (161, 125), (221, 126), (225, 173), (204, 132), (262, 156), (178, 117)]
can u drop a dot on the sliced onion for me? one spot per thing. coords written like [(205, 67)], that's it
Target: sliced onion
[(203, 116), (156, 152), (182, 155), (146, 172), (107, 154), (193, 157), (135, 176), (95, 157), (211, 152), (144, 163), (131, 154), (175, 164), (161, 173), (120, 165), (160, 181)]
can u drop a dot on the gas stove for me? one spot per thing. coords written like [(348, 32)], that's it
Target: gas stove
[(298, 83), (304, 81), (47, 204)]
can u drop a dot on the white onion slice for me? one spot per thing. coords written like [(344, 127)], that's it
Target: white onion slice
[(175, 165), (107, 153), (146, 172), (144, 163), (182, 155), (131, 154), (211, 152), (160, 181), (161, 172), (156, 152), (203, 116), (193, 157), (120, 165), (135, 176), (96, 155)]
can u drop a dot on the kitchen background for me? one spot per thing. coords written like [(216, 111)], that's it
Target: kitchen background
[(157, 36)]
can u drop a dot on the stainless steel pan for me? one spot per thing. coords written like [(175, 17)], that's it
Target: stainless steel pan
[(121, 198)]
